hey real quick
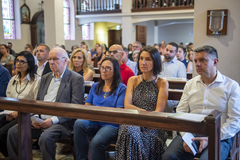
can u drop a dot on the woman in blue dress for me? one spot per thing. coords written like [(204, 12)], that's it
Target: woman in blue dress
[(109, 92)]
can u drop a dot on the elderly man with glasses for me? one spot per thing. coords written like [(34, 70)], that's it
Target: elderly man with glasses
[(60, 85), (116, 51)]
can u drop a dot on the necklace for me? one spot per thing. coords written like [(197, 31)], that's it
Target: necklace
[(105, 95), (19, 92)]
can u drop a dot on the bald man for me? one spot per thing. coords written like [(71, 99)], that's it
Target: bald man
[(117, 52), (60, 85)]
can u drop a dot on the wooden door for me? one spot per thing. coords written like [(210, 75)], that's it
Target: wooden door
[(37, 28), (141, 34), (114, 37)]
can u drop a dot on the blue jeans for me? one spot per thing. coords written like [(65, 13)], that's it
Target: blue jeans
[(102, 137), (175, 150)]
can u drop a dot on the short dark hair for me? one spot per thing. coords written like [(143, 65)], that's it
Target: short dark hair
[(9, 42), (209, 49), (116, 77), (31, 63), (155, 55), (4, 46), (174, 45)]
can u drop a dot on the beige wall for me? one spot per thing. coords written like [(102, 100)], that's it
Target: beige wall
[(228, 45)]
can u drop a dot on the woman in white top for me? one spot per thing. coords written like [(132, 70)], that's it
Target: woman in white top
[(24, 85)]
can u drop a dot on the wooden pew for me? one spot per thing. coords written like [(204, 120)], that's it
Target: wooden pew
[(210, 126), (97, 71), (9, 68), (96, 77), (189, 76)]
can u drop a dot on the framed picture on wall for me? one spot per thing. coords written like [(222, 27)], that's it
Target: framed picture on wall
[(25, 14)]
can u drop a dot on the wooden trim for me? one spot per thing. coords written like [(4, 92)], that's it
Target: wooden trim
[(101, 12), (162, 9), (210, 126)]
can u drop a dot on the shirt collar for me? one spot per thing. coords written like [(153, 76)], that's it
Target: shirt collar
[(61, 74), (43, 64), (219, 78), (27, 78), (172, 61)]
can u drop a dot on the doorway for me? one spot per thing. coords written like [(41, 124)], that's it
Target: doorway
[(38, 29)]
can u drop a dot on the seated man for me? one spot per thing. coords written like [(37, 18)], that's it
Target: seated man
[(4, 79), (210, 90), (60, 85), (116, 51)]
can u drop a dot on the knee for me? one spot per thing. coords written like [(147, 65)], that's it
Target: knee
[(13, 132), (44, 140), (168, 155), (80, 125), (97, 144)]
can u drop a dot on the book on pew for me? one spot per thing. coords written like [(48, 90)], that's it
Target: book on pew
[(188, 116)]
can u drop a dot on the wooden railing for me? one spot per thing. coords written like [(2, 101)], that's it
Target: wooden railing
[(210, 126), (154, 5), (98, 6)]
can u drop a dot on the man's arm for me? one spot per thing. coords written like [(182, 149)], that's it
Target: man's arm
[(182, 73), (183, 104), (232, 124), (78, 90)]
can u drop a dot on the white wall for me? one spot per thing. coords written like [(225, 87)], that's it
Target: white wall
[(176, 33), (228, 45)]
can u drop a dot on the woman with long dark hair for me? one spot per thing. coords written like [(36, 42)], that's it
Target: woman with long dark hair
[(109, 92), (24, 85), (146, 92)]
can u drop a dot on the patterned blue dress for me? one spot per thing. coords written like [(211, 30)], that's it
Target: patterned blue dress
[(141, 143)]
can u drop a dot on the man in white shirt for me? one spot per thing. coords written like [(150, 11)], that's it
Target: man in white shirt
[(171, 67), (128, 62), (62, 85), (207, 91), (42, 54)]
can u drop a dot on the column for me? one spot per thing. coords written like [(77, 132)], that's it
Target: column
[(127, 30), (54, 26)]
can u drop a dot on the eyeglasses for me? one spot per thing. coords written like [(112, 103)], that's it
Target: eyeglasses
[(114, 52), (107, 69), (21, 62), (54, 59), (135, 46)]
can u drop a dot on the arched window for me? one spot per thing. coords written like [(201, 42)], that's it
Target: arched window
[(9, 26), (66, 19)]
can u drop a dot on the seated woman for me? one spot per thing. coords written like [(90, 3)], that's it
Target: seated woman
[(109, 92), (190, 63), (24, 85), (6, 57), (78, 63), (146, 92)]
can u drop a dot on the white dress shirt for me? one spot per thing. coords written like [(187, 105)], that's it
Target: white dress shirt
[(222, 94), (133, 66), (174, 68), (41, 68), (52, 95), (26, 90)]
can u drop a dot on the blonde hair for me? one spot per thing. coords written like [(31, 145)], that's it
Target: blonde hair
[(84, 66)]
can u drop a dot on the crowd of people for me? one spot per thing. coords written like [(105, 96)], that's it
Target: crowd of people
[(131, 77)]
